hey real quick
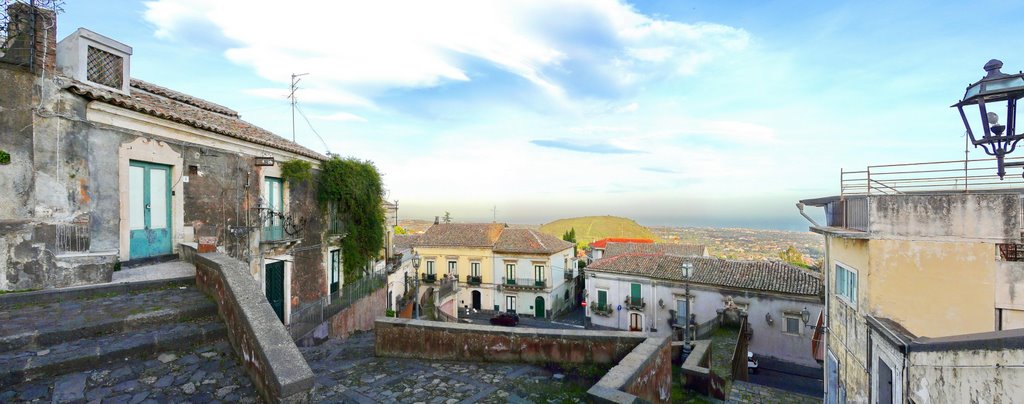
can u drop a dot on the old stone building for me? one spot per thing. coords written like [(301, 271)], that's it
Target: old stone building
[(923, 281), (108, 172)]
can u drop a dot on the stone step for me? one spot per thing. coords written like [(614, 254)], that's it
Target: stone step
[(40, 324), (18, 366)]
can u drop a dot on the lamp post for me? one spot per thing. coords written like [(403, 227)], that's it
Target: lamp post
[(987, 94), (687, 271), (416, 283)]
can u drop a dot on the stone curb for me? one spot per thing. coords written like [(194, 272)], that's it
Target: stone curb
[(78, 292)]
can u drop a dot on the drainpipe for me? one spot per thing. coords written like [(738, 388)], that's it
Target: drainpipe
[(800, 207), (827, 324)]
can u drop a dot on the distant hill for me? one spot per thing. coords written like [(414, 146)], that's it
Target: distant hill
[(590, 228)]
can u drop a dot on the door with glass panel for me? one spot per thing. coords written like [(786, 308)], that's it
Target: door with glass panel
[(273, 198), (149, 209)]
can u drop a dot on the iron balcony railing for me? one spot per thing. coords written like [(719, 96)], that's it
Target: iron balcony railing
[(569, 274), (635, 302), (429, 278), (474, 280), (601, 309), (524, 282), (945, 176)]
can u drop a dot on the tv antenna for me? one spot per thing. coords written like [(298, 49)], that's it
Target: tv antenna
[(291, 96)]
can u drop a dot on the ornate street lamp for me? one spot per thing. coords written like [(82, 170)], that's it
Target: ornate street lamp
[(989, 94), (416, 283)]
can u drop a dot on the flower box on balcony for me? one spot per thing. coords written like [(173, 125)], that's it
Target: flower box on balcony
[(429, 278), (473, 280)]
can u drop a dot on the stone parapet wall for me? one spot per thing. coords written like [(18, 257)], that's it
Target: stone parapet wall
[(642, 366), (360, 316), (645, 374), (270, 358)]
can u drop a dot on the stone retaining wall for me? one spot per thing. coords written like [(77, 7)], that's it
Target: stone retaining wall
[(642, 371), (270, 358), (360, 315)]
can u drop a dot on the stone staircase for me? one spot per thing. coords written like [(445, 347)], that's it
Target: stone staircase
[(154, 340)]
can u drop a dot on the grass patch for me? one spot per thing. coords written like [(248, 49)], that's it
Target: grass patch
[(6, 292), (591, 228)]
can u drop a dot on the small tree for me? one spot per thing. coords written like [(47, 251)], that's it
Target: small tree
[(793, 256), (447, 217)]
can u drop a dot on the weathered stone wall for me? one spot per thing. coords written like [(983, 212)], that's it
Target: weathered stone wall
[(360, 316), (646, 373), (967, 376), (269, 357), (309, 274), (981, 216), (472, 342), (642, 371)]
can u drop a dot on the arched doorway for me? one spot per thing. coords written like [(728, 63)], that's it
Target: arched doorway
[(476, 300), (539, 307)]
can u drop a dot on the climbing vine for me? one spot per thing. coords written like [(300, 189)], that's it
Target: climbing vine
[(357, 191), (296, 171), (5, 157)]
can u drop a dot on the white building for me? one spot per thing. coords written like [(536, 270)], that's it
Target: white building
[(530, 269), (647, 293)]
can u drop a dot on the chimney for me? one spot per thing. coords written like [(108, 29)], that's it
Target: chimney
[(32, 36), (95, 59), (437, 219)]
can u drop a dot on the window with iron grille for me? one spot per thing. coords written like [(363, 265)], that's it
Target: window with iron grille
[(104, 68), (1011, 252)]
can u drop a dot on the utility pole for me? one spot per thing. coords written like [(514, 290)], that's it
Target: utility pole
[(291, 96)]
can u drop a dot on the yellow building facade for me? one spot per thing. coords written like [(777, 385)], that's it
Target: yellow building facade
[(920, 267)]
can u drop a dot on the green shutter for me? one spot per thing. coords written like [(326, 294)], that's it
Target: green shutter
[(602, 299), (634, 291)]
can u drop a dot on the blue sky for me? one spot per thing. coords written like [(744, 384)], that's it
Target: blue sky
[(680, 112)]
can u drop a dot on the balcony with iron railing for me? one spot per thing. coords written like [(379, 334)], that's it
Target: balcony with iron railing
[(601, 310), (524, 283), (635, 302), (429, 278), (474, 280), (569, 274)]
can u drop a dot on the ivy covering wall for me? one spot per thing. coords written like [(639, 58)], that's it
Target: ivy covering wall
[(357, 188)]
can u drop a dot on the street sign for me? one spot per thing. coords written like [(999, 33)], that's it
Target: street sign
[(619, 308)]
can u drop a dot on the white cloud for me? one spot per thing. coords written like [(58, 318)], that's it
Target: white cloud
[(341, 117), (366, 48)]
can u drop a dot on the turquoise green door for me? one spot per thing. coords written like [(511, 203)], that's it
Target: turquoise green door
[(273, 198), (149, 207), (275, 287), (539, 307)]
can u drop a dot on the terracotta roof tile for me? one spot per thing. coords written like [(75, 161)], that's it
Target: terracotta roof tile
[(529, 241), (603, 242), (460, 235), (769, 276), (405, 241), (684, 250), (171, 105)]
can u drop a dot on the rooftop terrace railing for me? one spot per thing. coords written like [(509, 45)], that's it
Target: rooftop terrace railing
[(936, 176)]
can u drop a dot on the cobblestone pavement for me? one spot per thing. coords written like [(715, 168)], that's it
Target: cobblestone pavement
[(208, 374), (743, 392), (348, 372)]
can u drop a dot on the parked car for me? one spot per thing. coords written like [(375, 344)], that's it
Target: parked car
[(751, 362), (505, 319)]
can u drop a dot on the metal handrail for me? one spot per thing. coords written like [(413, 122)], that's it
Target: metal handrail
[(940, 176)]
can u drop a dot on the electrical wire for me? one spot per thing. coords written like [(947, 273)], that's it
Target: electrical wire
[(303, 115)]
